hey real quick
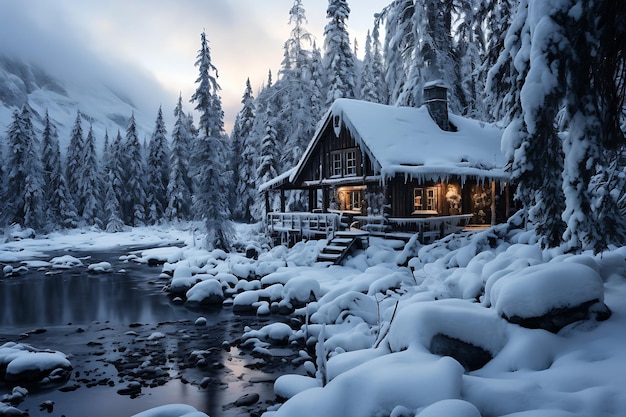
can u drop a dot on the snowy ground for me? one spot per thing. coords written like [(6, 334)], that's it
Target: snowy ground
[(378, 339)]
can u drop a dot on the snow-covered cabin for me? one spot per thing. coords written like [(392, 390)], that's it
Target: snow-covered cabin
[(387, 168)]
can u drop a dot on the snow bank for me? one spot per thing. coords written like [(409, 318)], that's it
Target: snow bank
[(407, 379)]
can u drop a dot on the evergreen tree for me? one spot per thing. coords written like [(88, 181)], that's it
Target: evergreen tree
[(89, 184), (495, 16), (60, 210), (110, 213), (211, 179), (468, 53), (112, 221), (245, 169), (548, 62), (267, 168), (179, 182), (593, 65), (372, 74), (113, 189), (534, 151), (317, 94), (295, 122), (25, 181), (134, 197), (339, 61), (158, 168), (74, 162), (3, 196), (400, 48)]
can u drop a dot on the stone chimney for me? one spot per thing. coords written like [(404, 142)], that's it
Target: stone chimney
[(436, 100)]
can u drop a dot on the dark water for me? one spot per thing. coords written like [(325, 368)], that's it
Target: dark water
[(53, 297), (104, 323)]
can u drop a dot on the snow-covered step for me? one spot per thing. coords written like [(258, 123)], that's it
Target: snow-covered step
[(333, 248), (329, 257), (342, 240)]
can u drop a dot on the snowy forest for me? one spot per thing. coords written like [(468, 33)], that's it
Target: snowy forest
[(552, 74)]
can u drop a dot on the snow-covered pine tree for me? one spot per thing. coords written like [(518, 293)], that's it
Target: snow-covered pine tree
[(318, 81), (112, 221), (399, 47), (211, 179), (89, 184), (440, 55), (245, 177), (295, 119), (530, 140), (179, 183), (369, 85), (494, 17), (113, 186), (134, 195), (469, 51), (594, 66), (158, 170), (267, 168), (3, 196), (73, 158), (338, 58), (297, 98), (25, 181), (60, 209)]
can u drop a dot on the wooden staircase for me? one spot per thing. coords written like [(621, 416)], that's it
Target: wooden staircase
[(341, 245)]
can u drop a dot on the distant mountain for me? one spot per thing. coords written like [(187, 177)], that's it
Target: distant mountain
[(99, 104)]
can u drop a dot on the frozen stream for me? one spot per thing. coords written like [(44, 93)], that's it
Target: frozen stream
[(119, 328)]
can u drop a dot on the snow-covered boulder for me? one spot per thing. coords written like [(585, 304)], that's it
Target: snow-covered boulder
[(408, 379), (206, 293), (182, 281), (159, 256), (550, 296), (24, 364), (286, 386), (245, 302), (171, 410), (468, 332), (65, 262), (275, 333), (99, 268), (452, 407)]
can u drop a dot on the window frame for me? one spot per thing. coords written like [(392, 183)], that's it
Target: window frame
[(428, 198), (351, 163)]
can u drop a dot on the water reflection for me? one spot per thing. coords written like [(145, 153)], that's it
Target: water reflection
[(74, 296)]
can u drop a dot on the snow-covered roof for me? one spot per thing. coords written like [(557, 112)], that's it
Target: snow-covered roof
[(277, 180), (406, 140)]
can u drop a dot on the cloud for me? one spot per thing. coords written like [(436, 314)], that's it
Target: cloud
[(146, 49), (44, 34)]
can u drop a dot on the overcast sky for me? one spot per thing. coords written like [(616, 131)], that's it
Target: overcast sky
[(148, 47)]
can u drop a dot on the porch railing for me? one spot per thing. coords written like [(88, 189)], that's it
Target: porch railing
[(306, 224), (428, 228)]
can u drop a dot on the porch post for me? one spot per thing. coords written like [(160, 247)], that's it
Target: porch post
[(507, 203), (325, 199), (493, 202), (312, 199), (282, 200), (267, 203)]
